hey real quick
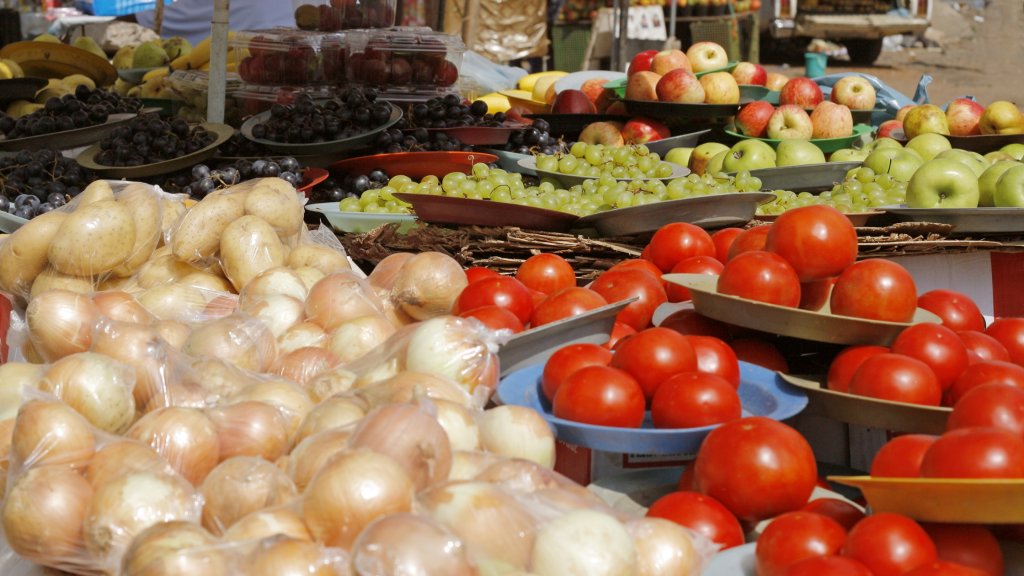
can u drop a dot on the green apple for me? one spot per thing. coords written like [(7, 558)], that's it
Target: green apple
[(680, 156), (998, 156), (881, 143), (1010, 188), (848, 155), (797, 152), (944, 183), (715, 164), (929, 145), (987, 181), (703, 154), (972, 160), (914, 153), (767, 148), (896, 162), (1015, 150), (747, 155)]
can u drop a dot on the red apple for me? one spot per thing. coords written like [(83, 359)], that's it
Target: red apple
[(604, 101), (902, 113), (617, 108), (641, 62), (750, 73), (593, 88), (802, 92), (607, 133), (776, 81), (669, 60), (790, 121), (680, 86), (854, 92), (447, 74), (831, 120), (642, 130), (643, 86), (753, 119), (706, 56), (519, 114), (885, 130), (572, 102), (964, 117)]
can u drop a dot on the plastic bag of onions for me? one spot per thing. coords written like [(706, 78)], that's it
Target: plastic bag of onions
[(320, 250), (404, 544), (240, 486), (238, 339), (339, 297), (412, 437), (96, 386), (428, 284)]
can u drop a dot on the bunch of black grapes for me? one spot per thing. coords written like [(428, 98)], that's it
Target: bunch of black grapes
[(336, 189), (305, 122), (148, 140), (240, 146), (201, 180), (451, 112), (418, 140), (536, 139), (34, 183), (86, 107)]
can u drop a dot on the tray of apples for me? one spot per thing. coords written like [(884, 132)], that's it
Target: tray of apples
[(966, 124)]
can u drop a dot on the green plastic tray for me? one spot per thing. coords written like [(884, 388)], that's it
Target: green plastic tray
[(827, 145)]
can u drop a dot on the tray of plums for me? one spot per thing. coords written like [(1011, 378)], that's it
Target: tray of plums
[(71, 121), (470, 124), (36, 182)]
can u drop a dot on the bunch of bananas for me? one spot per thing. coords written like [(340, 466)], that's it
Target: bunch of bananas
[(10, 69), (199, 58)]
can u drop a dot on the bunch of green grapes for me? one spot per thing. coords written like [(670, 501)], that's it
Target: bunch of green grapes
[(862, 191), (593, 160)]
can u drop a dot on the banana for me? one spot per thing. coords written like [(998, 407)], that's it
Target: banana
[(15, 68), (496, 103), (230, 66), (200, 55), (158, 73), (527, 82), (5, 72)]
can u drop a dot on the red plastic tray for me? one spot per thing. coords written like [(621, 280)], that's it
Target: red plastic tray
[(467, 212), (312, 177), (415, 165)]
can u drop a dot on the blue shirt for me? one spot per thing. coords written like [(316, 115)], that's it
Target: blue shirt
[(191, 19)]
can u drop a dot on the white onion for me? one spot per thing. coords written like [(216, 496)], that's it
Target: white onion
[(223, 378), (267, 523), (428, 285), (412, 437), (124, 457), (278, 312), (174, 302), (185, 437), (304, 364), (49, 432), (175, 549), (284, 556), (277, 281), (32, 356), (467, 465), (352, 490), (409, 385), (451, 346), (358, 336), (43, 515), (386, 271), (330, 383), (313, 452), (174, 332), (339, 297), (122, 307), (96, 387), (334, 412), (518, 432), (576, 497), (183, 394), (522, 475), (392, 311), (59, 323), (250, 429), (238, 339), (143, 349), (240, 486), (309, 276), (6, 448), (663, 548), (14, 376), (404, 544), (460, 425), (280, 393), (301, 335), (584, 543)]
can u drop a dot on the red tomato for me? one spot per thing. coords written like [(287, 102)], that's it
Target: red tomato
[(678, 241), (936, 346), (751, 240), (818, 241), (507, 293), (901, 457), (723, 240), (646, 253), (889, 544), (761, 276), (828, 566), (973, 358), (716, 357), (689, 322), (958, 312), (653, 356), (896, 378), (567, 360), (688, 481), (986, 373), (618, 285), (759, 353), (479, 273), (496, 318), (602, 396), (619, 331), (796, 536), (813, 295), (645, 265), (875, 289), (975, 453), (538, 297), (968, 545), (944, 569), (701, 514), (844, 513), (987, 347), (846, 363), (696, 265), (694, 399), (1010, 333), (990, 405), (757, 467), (547, 273), (565, 304)]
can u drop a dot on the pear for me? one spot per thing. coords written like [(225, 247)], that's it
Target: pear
[(76, 80), (14, 107), (135, 92), (149, 55), (5, 72), (47, 38), (54, 89), (152, 88), (123, 58), (177, 47), (14, 68), (89, 45), (123, 88)]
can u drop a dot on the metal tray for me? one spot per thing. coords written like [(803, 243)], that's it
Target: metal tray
[(19, 89), (467, 212), (966, 220), (569, 180), (858, 219), (962, 501), (562, 124), (805, 178), (827, 145), (659, 110), (762, 393), (87, 158), (819, 326), (69, 138), (870, 412), (575, 80), (755, 92), (359, 222), (9, 222), (536, 345), (415, 165), (715, 211), (864, 116), (479, 135), (322, 147), (662, 147)]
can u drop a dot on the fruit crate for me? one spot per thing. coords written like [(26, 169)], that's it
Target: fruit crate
[(290, 57), (409, 58), (333, 15), (844, 6), (251, 99), (190, 90), (403, 97)]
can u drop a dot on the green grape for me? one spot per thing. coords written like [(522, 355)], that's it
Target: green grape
[(825, 196), (592, 155), (878, 198), (458, 193), (699, 189), (645, 163), (894, 201), (742, 181), (865, 175), (642, 150), (387, 192), (620, 172), (872, 187), (623, 200), (369, 197), (547, 186), (480, 171), (501, 195), (567, 164), (655, 156), (578, 149), (534, 201), (432, 180), (547, 163), (436, 191), (484, 187), (853, 186), (474, 195), (621, 155), (885, 181), (577, 189), (610, 196), (663, 170), (851, 173), (805, 195), (606, 179), (843, 198), (396, 182), (500, 179), (634, 172), (858, 207), (374, 209), (563, 197), (580, 170), (593, 172), (467, 186), (837, 188), (518, 193), (519, 201)]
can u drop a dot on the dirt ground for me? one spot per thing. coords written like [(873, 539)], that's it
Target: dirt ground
[(983, 59)]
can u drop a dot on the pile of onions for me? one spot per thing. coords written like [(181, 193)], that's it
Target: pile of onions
[(122, 307), (304, 364), (174, 332), (240, 486), (124, 457), (185, 394), (185, 437), (267, 523), (408, 544), (310, 276), (339, 297), (222, 378), (174, 302), (458, 422), (141, 348), (238, 339), (467, 465), (352, 490), (301, 335), (330, 383), (96, 387), (334, 412), (428, 285), (277, 281), (6, 440), (278, 312), (451, 346), (49, 432), (522, 475), (358, 336), (168, 549), (518, 432), (220, 306), (586, 543), (386, 271), (663, 548), (393, 312), (411, 384), (310, 455), (284, 556), (282, 394), (250, 429), (14, 376), (43, 515), (412, 437), (59, 323)]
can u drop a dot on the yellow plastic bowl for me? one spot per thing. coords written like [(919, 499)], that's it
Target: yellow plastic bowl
[(944, 500), (525, 99)]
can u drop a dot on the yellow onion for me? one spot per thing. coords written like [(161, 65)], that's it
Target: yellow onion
[(358, 336), (304, 364), (240, 486), (334, 412), (174, 332), (174, 302), (43, 515), (266, 523), (576, 498), (467, 465), (452, 347), (518, 432), (409, 385), (142, 348), (301, 335), (339, 297), (48, 432), (122, 307), (280, 393), (124, 457), (277, 281), (221, 377), (412, 437), (278, 312), (309, 276), (282, 463), (220, 306), (185, 437), (175, 549), (428, 285), (312, 453), (183, 394), (6, 446), (330, 383), (458, 422), (284, 556), (663, 548), (352, 490), (32, 356), (127, 505), (409, 544), (393, 312), (586, 543), (96, 387), (386, 271), (14, 376), (522, 475), (59, 323), (238, 339), (250, 429)]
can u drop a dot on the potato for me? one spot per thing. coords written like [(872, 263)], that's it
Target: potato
[(162, 270), (174, 302), (122, 284), (93, 240), (52, 279), (161, 251), (170, 211), (316, 256), (309, 275), (144, 206), (278, 207), (98, 191), (198, 237), (249, 246), (174, 332), (207, 281), (23, 255)]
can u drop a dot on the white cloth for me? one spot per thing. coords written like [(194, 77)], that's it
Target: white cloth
[(191, 19)]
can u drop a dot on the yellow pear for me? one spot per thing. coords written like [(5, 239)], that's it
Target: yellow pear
[(123, 58), (152, 88), (55, 89), (123, 88), (177, 47), (15, 68), (157, 73), (76, 80), (135, 92), (149, 55), (47, 38), (89, 45), (5, 72)]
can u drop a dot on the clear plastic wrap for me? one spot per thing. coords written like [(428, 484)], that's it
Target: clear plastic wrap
[(281, 393), (428, 284), (240, 486), (407, 545), (339, 297), (313, 452), (237, 338), (334, 412), (185, 437), (518, 432), (320, 250), (95, 386), (304, 364), (59, 324), (359, 335), (412, 437), (251, 428)]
